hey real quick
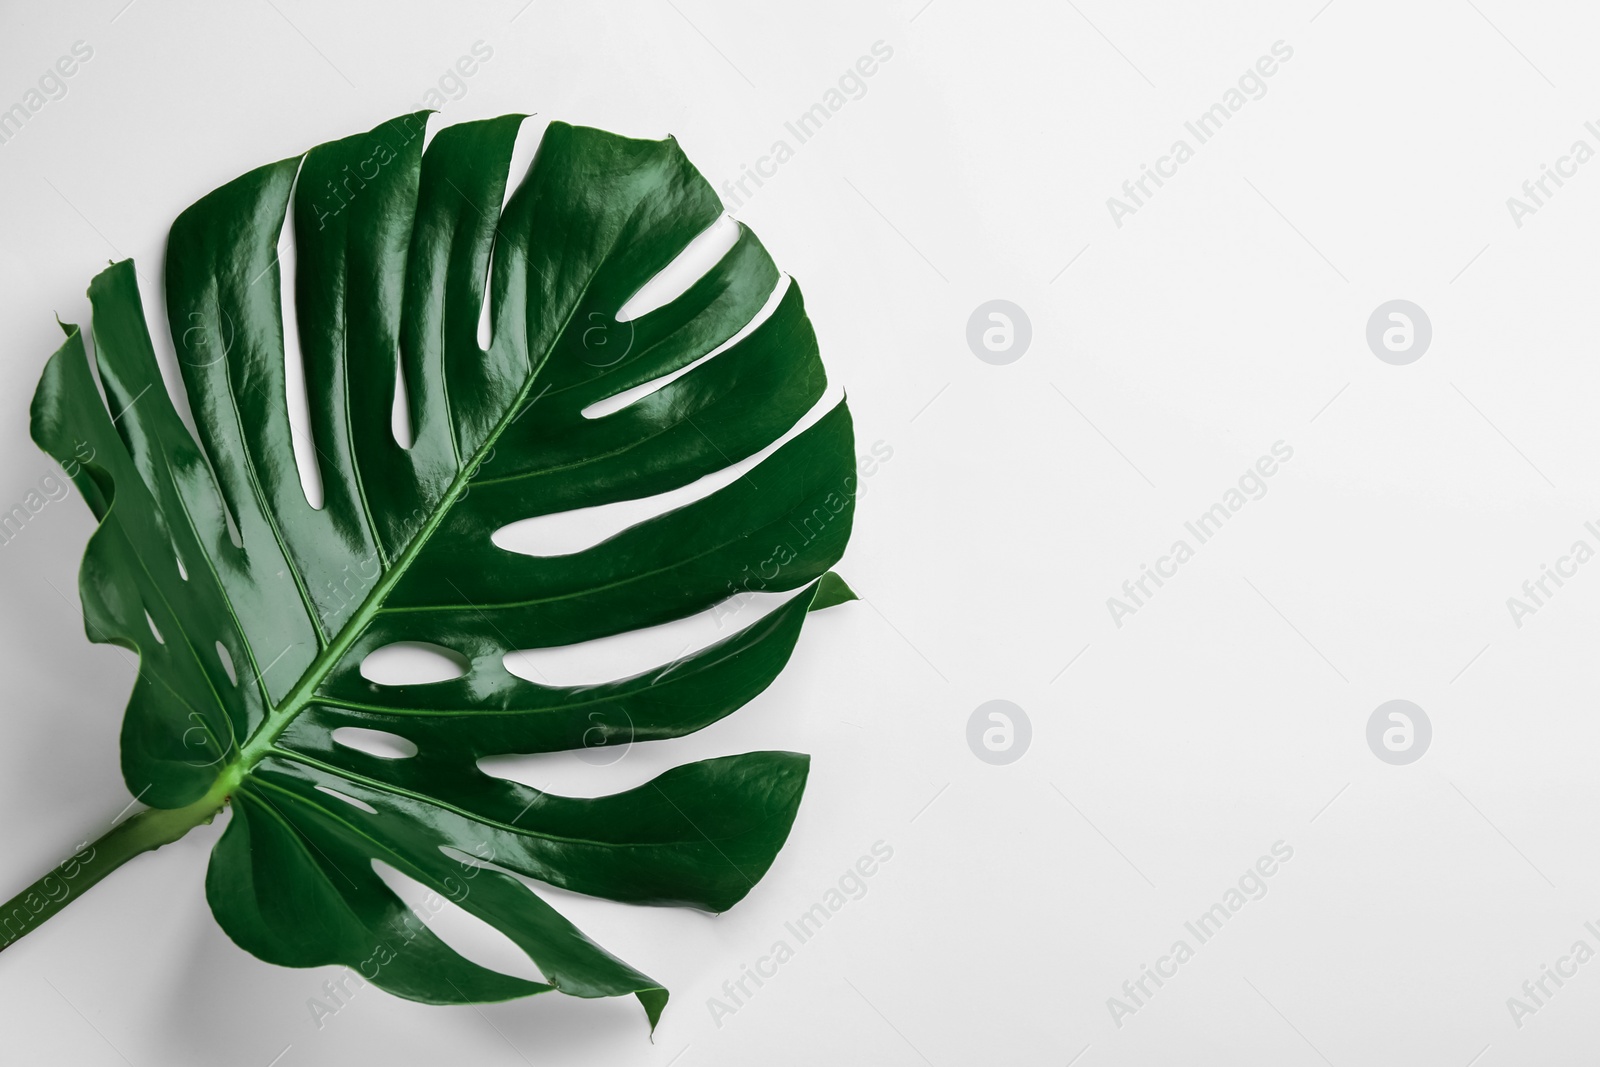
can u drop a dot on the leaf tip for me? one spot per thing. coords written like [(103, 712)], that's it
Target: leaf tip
[(654, 1002), (831, 590)]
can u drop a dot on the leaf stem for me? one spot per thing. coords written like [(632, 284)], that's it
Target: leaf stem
[(143, 832), (154, 827)]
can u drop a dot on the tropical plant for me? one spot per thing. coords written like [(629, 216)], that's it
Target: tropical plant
[(252, 611)]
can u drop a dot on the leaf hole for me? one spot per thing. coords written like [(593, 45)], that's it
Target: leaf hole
[(294, 370), (413, 663), (485, 319), (159, 639), (523, 149), (183, 572), (432, 123), (651, 649), (628, 397), (565, 532), (687, 267), (233, 527), (153, 299), (380, 743), (567, 774), (474, 939), (526, 146), (466, 859), (400, 411), (227, 663), (352, 801)]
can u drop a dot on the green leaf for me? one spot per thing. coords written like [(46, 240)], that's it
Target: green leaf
[(831, 590), (252, 611)]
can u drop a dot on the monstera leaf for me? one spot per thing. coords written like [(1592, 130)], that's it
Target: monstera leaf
[(252, 611)]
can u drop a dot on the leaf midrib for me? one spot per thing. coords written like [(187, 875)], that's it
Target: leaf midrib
[(299, 698)]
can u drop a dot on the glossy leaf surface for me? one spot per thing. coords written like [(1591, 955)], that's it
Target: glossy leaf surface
[(252, 611)]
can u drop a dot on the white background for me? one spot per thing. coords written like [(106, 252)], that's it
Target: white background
[(1227, 314)]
